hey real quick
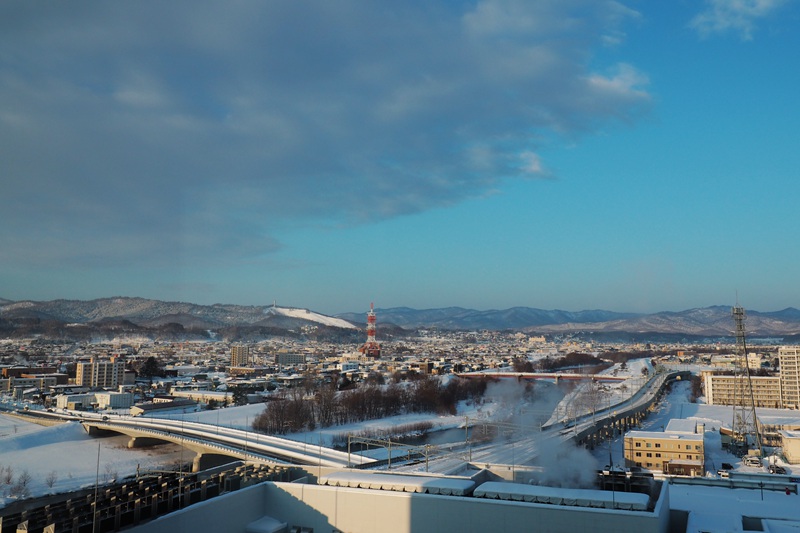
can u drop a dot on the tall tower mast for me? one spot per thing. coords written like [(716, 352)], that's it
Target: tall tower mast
[(371, 348), (745, 422)]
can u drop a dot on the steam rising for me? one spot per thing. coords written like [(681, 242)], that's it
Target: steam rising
[(562, 463)]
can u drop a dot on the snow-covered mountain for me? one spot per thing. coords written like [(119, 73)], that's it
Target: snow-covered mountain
[(707, 321), (142, 311), (272, 319)]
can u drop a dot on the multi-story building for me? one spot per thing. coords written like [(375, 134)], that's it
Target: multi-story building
[(240, 355), (100, 374), (781, 391), (789, 360), (288, 358), (668, 452), (729, 389)]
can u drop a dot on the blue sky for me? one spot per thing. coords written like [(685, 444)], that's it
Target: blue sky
[(582, 154)]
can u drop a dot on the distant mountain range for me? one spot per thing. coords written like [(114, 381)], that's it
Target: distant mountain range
[(159, 319), (107, 318), (706, 321)]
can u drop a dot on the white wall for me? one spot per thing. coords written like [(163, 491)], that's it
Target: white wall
[(360, 511)]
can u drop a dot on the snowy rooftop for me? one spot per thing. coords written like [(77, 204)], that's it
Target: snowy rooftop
[(664, 435), (682, 425), (560, 496), (401, 483)]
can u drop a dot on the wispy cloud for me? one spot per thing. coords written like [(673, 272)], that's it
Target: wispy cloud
[(738, 16), (133, 131)]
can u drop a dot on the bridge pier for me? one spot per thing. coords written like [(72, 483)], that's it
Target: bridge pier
[(142, 442), (204, 461)]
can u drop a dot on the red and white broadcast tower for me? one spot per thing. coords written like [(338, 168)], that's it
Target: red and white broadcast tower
[(371, 348)]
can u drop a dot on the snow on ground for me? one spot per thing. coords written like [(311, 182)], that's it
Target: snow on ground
[(591, 395), (67, 456), (67, 450), (676, 405), (500, 398)]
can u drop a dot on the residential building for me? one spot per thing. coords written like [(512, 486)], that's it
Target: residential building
[(286, 358), (789, 360), (781, 391), (729, 389), (674, 452), (100, 374), (240, 355)]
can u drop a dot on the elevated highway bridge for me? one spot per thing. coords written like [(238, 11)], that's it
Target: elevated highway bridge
[(212, 444), (215, 444)]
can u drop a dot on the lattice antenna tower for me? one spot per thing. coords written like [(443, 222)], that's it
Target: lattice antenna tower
[(745, 423)]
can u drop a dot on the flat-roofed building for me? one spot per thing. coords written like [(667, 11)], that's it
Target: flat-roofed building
[(100, 374), (113, 400), (287, 358), (789, 360), (240, 355), (729, 389), (40, 382), (790, 444), (668, 452), (75, 401)]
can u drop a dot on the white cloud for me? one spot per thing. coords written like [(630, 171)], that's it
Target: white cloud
[(151, 127), (531, 163), (740, 16)]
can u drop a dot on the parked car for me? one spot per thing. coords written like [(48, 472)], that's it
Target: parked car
[(776, 469), (752, 460)]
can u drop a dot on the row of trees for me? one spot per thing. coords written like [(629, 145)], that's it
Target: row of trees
[(18, 487), (554, 363), (298, 411)]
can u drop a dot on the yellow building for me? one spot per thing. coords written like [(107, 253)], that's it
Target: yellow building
[(790, 442), (240, 355), (667, 452), (100, 374)]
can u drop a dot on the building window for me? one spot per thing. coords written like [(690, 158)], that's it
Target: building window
[(638, 444), (658, 445), (649, 454), (649, 445), (638, 454), (658, 455)]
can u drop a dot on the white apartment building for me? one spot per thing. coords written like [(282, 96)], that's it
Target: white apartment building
[(789, 360)]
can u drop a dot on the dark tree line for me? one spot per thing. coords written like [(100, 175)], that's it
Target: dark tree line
[(569, 360), (298, 410)]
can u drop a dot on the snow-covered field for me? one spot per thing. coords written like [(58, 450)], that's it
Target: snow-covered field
[(64, 457)]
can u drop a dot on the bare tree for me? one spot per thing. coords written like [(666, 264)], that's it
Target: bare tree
[(51, 479), (21, 487), (8, 475)]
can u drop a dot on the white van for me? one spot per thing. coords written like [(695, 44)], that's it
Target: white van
[(752, 460)]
